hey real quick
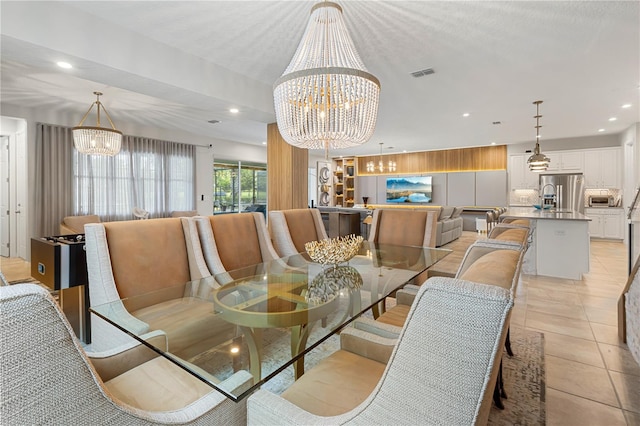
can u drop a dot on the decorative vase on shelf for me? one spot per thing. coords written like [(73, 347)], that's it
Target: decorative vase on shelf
[(365, 199)]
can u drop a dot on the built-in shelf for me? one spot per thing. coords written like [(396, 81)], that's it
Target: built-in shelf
[(344, 177)]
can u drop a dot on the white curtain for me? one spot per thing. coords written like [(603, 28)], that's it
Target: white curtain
[(53, 184), (157, 176)]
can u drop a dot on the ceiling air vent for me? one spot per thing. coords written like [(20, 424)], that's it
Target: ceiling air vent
[(213, 121), (422, 73)]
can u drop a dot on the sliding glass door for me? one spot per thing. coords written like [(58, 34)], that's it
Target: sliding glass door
[(239, 187)]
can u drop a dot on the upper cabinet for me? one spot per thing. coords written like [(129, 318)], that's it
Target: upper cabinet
[(565, 161), (602, 168), (520, 177)]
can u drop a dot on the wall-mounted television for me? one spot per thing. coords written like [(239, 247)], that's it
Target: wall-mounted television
[(409, 189)]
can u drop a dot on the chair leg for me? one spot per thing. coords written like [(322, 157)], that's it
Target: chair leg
[(507, 343), (498, 390), (503, 393)]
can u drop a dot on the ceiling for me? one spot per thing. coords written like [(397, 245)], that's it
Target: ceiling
[(178, 64)]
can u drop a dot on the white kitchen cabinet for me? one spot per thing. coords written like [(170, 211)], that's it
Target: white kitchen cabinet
[(601, 168), (606, 223), (520, 177), (565, 161)]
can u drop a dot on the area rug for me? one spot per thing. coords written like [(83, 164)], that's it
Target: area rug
[(524, 378)]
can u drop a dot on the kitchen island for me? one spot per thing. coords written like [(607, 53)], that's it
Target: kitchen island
[(559, 245)]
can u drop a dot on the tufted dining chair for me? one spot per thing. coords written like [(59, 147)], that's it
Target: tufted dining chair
[(47, 378), (234, 241), (430, 378), (291, 229)]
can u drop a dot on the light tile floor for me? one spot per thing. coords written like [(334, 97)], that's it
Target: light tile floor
[(592, 378)]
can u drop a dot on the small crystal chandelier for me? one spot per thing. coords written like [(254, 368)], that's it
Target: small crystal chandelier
[(371, 165), (97, 140), (326, 98), (538, 162)]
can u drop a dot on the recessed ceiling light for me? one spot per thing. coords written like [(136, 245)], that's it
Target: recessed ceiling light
[(626, 106), (404, 150), (601, 130), (613, 119), (493, 143), (466, 114), (264, 143), (65, 65), (234, 110)]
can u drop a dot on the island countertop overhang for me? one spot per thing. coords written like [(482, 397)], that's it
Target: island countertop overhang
[(534, 214)]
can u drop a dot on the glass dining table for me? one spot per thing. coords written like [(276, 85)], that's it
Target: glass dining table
[(277, 311)]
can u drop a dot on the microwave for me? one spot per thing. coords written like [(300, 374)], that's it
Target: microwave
[(601, 201)]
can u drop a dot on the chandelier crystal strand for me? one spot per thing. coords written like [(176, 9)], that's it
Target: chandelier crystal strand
[(326, 98), (96, 139)]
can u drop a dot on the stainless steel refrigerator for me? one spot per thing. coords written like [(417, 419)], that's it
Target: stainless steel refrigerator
[(564, 191)]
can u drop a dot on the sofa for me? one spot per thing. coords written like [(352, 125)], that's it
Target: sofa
[(75, 224), (449, 226)]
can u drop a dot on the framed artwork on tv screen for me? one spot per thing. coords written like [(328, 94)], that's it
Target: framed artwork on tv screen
[(409, 189)]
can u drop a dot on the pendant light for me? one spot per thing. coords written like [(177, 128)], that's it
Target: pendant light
[(96, 139), (326, 98), (538, 162), (380, 167)]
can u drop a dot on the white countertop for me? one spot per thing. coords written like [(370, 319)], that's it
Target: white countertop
[(532, 213)]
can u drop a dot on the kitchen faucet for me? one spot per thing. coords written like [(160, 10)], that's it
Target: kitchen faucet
[(553, 195)]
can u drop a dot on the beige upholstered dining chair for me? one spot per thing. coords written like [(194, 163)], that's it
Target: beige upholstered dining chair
[(449, 382), (291, 229), (234, 241), (488, 262), (507, 232), (132, 258), (404, 227), (47, 378)]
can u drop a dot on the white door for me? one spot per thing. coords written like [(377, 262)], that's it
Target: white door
[(4, 196), (22, 236)]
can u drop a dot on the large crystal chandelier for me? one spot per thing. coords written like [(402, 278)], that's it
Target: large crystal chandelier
[(96, 139), (326, 98), (538, 162)]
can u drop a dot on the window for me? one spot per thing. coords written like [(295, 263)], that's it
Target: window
[(157, 176), (239, 187)]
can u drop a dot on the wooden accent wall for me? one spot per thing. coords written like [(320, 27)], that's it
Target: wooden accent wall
[(449, 160), (287, 173)]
